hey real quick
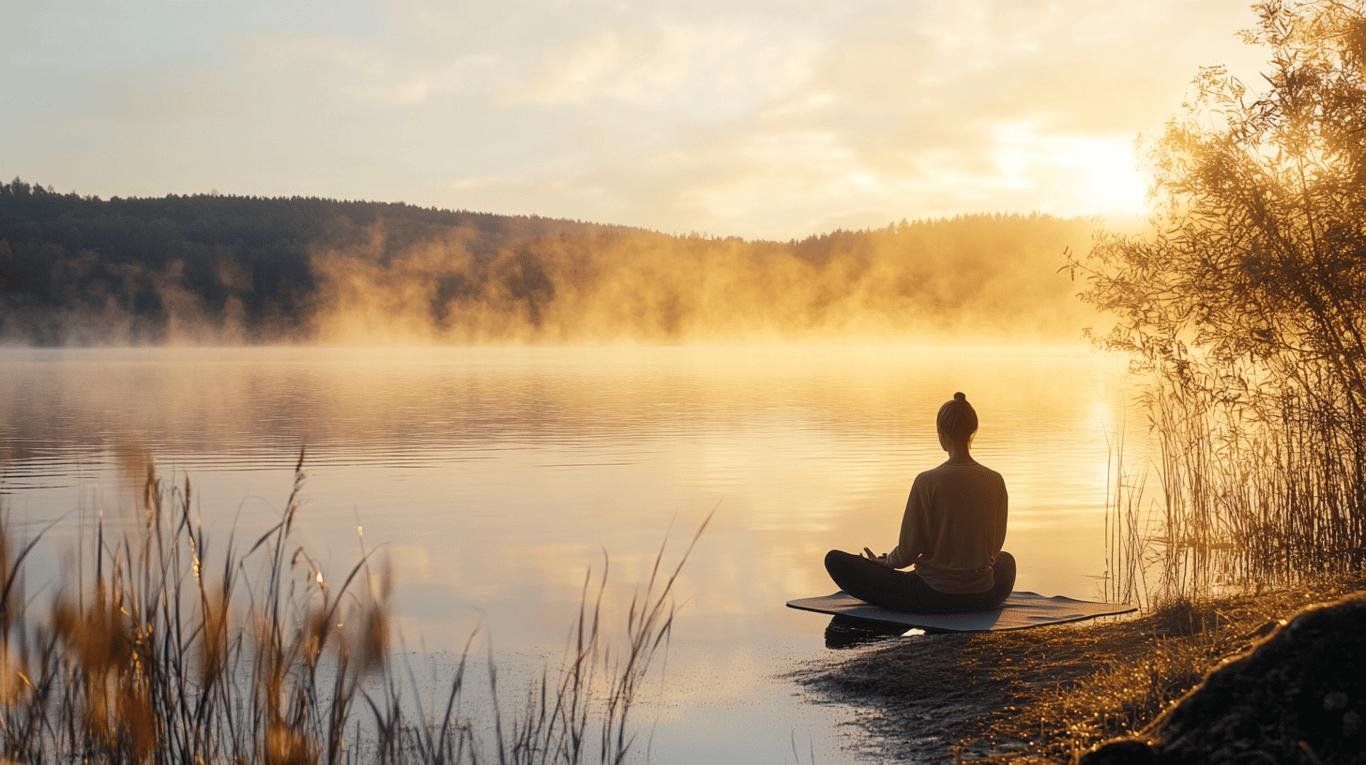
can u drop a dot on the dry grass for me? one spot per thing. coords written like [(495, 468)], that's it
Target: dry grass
[(165, 650), (1042, 694), (1252, 501), (1233, 504), (1141, 667)]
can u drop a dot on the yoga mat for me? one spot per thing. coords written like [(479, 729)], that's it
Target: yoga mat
[(1019, 611)]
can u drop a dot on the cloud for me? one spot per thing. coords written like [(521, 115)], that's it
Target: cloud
[(688, 68), (368, 75), (768, 118), (912, 110)]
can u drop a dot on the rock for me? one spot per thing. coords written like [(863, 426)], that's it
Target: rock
[(1295, 696), (1125, 751)]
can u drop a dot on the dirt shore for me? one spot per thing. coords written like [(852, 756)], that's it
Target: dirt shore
[(1047, 694)]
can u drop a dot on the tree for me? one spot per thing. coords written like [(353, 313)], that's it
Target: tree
[(1247, 300), (1252, 285)]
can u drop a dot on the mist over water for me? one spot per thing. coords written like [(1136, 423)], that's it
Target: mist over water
[(211, 270), (977, 276), (494, 477)]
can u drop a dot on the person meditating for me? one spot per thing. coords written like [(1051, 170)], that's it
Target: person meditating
[(952, 532)]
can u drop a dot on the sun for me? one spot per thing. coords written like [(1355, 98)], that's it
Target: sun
[(1113, 180), (1072, 174)]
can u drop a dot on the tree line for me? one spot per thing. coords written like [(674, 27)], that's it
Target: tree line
[(84, 270)]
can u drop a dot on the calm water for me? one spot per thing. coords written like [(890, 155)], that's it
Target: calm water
[(495, 477)]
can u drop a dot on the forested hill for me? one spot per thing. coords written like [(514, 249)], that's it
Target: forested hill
[(210, 268)]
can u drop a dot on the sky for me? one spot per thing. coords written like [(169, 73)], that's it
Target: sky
[(772, 119)]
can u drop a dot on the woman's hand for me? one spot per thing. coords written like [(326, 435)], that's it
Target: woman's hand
[(882, 559)]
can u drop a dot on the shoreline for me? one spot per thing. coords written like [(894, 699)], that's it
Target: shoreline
[(1049, 694)]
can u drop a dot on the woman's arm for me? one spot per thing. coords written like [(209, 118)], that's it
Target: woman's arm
[(999, 531), (911, 542)]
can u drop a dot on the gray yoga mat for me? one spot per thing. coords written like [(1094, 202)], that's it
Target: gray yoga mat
[(1020, 611)]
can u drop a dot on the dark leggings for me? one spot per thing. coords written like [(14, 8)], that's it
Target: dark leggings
[(906, 591)]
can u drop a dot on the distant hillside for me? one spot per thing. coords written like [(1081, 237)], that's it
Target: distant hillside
[(209, 268)]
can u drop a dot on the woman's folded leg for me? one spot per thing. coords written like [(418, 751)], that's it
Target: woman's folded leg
[(905, 591), (871, 582), (1005, 577)]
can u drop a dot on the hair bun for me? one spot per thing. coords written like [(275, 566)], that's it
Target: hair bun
[(959, 397)]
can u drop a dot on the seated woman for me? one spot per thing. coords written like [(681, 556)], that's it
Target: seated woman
[(952, 532)]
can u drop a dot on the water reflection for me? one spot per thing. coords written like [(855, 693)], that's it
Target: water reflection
[(849, 632), (495, 477)]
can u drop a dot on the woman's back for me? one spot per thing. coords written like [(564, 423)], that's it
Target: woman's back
[(957, 518)]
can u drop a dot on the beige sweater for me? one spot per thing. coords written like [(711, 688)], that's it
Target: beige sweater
[(955, 524)]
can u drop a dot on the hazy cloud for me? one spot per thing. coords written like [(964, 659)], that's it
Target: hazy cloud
[(771, 119)]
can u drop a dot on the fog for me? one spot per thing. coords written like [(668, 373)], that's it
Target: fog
[(987, 276), (212, 270)]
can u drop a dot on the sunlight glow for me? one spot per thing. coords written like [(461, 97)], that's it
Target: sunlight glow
[(1113, 180), (1088, 175)]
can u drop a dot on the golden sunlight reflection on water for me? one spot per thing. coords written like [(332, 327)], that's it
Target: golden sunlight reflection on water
[(494, 477)]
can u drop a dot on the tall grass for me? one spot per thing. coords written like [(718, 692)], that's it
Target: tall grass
[(167, 650), (1242, 500), (1128, 530)]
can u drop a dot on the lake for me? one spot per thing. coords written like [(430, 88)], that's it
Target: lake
[(493, 478)]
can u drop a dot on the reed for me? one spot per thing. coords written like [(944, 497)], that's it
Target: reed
[(1129, 552), (1242, 499), (168, 650)]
